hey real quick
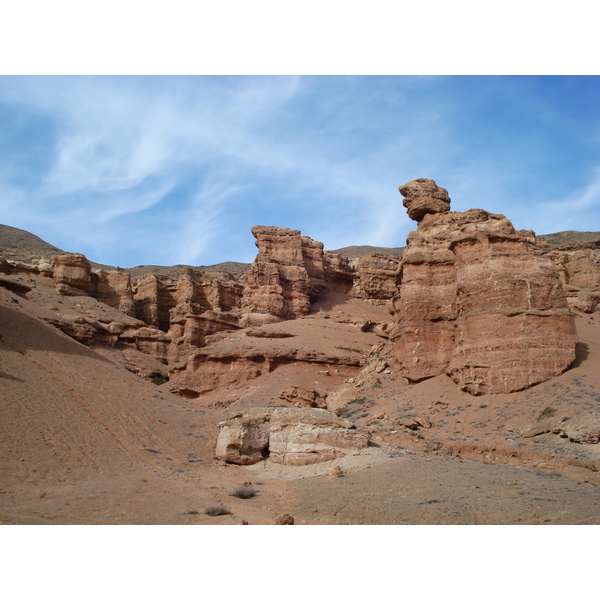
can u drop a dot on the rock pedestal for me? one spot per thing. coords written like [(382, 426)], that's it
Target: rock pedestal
[(474, 303), (286, 275)]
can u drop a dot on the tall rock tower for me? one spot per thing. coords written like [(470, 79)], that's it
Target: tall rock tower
[(474, 302)]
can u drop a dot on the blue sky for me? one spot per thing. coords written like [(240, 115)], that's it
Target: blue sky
[(176, 170)]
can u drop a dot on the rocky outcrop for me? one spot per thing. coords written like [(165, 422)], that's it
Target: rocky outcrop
[(236, 358), (154, 298), (290, 436), (371, 277), (189, 307), (71, 274), (423, 197), (191, 332), (375, 279), (300, 396), (340, 272), (474, 303), (583, 429), (113, 288), (287, 273), (578, 265)]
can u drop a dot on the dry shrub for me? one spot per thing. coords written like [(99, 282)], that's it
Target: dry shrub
[(244, 492), (216, 511)]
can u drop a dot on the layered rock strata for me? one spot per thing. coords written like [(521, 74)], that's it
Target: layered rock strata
[(474, 303), (423, 197), (290, 436), (578, 265), (375, 279), (113, 288), (236, 358), (286, 275), (71, 274)]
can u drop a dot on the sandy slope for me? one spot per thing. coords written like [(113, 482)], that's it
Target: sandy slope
[(85, 441)]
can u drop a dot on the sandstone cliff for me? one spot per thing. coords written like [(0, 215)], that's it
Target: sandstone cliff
[(475, 303), (287, 273), (469, 290)]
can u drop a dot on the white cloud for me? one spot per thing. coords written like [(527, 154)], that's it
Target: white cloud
[(172, 166), (579, 211)]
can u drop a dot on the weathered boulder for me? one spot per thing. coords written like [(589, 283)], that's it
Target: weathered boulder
[(244, 439), (290, 436), (475, 303), (284, 519), (583, 429), (586, 302), (422, 197)]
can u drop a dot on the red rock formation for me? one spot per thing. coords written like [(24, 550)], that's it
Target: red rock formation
[(287, 273), (113, 288), (71, 274), (473, 302), (578, 264), (339, 273), (375, 279), (422, 197), (154, 298)]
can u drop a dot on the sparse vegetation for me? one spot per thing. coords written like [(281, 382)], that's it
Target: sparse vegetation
[(244, 492), (216, 511), (159, 380), (348, 410), (546, 413)]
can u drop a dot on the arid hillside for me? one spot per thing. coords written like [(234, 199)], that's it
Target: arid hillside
[(116, 384)]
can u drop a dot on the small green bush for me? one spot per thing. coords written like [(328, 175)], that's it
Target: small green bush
[(358, 401), (547, 413), (159, 380)]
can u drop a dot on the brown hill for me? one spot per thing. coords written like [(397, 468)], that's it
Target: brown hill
[(360, 251)]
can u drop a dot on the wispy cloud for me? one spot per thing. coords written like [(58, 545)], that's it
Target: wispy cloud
[(579, 210), (178, 169)]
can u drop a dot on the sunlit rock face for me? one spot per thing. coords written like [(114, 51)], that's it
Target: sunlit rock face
[(475, 303), (287, 273), (290, 436), (71, 274), (423, 197)]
